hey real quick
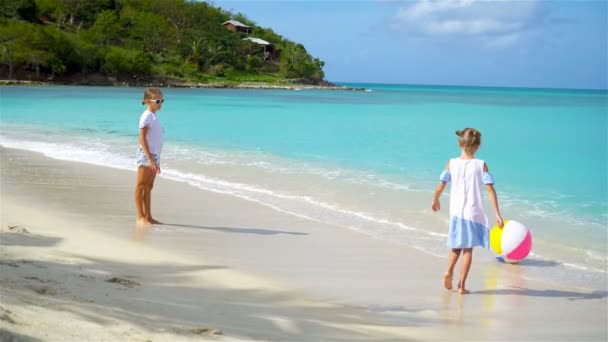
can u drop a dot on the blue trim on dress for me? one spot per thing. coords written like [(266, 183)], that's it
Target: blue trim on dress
[(487, 178), (467, 234), (445, 176)]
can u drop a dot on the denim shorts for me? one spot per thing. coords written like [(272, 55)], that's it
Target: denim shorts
[(142, 160)]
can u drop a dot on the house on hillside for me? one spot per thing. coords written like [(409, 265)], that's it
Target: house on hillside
[(237, 26), (268, 47)]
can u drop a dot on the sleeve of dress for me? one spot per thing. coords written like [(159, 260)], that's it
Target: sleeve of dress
[(487, 178), (445, 176)]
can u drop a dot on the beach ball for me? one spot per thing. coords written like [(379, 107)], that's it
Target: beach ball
[(512, 243)]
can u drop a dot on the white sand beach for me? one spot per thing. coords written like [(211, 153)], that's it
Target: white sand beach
[(73, 267)]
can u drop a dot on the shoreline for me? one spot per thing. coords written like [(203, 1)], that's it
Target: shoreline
[(213, 85), (223, 263)]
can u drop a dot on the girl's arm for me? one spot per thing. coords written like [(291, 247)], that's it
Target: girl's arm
[(438, 190), (493, 200), (143, 132), (436, 205)]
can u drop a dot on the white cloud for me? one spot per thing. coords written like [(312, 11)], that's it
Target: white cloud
[(496, 23), (470, 27), (424, 7)]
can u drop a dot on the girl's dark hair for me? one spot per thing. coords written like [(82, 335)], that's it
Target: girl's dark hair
[(470, 138)]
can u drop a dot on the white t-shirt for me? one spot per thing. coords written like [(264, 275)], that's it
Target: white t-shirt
[(155, 134)]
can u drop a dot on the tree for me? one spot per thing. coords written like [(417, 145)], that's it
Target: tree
[(10, 39), (57, 67), (122, 62), (60, 49), (27, 10), (106, 28), (74, 13), (176, 13), (41, 44), (22, 43), (243, 19), (254, 63), (85, 52), (154, 32), (24, 9)]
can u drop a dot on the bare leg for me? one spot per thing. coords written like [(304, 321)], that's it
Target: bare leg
[(148, 204), (148, 198), (452, 259), (140, 189), (141, 186), (467, 258)]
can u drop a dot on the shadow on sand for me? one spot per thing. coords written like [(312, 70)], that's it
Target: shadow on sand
[(9, 336), (28, 240), (538, 263), (570, 295), (257, 231), (181, 301)]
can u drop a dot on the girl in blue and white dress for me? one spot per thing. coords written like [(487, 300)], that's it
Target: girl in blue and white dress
[(468, 220)]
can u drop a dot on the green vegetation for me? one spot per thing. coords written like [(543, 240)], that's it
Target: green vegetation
[(142, 41)]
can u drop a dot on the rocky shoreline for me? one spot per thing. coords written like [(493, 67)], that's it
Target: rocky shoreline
[(173, 84)]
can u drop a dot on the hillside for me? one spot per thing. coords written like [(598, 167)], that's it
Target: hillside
[(138, 42)]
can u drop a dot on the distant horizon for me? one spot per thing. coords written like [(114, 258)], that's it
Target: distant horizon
[(468, 86)]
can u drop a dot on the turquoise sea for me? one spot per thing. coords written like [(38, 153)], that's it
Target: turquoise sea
[(363, 160)]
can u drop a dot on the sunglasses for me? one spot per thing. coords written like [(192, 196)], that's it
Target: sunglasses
[(158, 101)]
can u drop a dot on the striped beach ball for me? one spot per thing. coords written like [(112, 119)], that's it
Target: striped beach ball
[(512, 243)]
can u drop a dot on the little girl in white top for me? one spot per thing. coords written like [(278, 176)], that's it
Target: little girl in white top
[(151, 136), (468, 222)]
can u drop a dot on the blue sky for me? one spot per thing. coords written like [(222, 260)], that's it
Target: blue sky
[(548, 44)]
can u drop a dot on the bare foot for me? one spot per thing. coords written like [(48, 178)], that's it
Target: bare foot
[(142, 222), (464, 291), (447, 281), (153, 221), (140, 231)]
